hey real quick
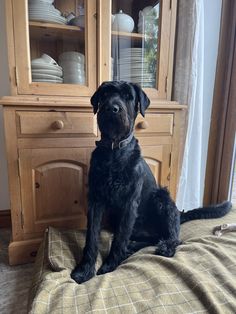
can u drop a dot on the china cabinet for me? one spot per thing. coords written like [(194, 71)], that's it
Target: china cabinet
[(59, 52)]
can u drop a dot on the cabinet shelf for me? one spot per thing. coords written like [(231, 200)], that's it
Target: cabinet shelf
[(55, 31), (131, 36), (125, 34)]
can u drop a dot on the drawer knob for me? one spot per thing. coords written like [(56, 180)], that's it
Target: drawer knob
[(143, 125), (58, 125)]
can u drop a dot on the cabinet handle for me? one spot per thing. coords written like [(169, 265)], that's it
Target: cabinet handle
[(57, 125), (143, 125)]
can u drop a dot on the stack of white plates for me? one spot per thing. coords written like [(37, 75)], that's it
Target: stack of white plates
[(72, 63), (44, 11), (132, 66), (45, 69)]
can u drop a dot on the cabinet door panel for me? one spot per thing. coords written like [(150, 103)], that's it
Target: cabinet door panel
[(53, 187), (141, 43), (157, 158), (50, 41), (58, 187)]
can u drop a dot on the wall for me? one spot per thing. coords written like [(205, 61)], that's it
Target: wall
[(4, 90)]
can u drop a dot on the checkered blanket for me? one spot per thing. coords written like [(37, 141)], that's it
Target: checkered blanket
[(200, 278)]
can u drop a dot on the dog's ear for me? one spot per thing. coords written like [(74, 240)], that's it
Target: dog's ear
[(143, 100), (95, 100)]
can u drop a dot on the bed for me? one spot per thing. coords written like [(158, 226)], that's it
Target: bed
[(200, 278)]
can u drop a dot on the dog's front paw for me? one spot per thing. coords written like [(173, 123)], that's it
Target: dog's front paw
[(82, 274), (106, 268)]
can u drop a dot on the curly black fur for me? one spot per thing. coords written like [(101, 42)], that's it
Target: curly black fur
[(122, 187)]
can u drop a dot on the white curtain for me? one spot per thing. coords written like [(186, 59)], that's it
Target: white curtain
[(189, 88)]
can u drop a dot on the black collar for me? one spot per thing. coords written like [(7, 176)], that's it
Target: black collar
[(110, 144)]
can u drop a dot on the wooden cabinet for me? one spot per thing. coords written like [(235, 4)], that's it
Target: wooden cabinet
[(50, 128), (158, 157), (160, 134)]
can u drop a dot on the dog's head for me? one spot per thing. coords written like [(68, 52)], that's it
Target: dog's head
[(117, 104)]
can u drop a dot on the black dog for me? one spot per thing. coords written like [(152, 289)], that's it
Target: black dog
[(122, 186)]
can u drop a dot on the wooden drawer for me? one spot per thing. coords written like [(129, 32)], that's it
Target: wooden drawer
[(32, 123), (156, 123)]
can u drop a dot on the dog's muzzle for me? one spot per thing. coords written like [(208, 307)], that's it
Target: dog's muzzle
[(111, 108)]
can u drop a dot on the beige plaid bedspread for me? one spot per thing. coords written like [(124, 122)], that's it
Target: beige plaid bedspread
[(200, 278)]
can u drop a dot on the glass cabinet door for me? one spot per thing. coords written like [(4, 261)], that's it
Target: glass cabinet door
[(141, 35), (55, 46)]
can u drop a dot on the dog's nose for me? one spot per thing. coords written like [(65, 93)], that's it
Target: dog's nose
[(113, 108)]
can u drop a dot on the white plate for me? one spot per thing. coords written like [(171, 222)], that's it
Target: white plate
[(40, 65), (51, 11), (131, 53), (132, 60), (131, 49), (45, 76), (134, 65), (48, 81), (44, 59), (47, 71), (47, 16), (129, 65), (45, 20), (138, 69), (138, 75), (41, 1), (45, 11), (127, 55), (133, 69)]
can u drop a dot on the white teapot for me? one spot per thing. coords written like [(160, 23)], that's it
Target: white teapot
[(123, 22)]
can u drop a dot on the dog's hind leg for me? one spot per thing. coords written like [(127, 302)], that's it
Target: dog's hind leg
[(86, 268), (167, 222)]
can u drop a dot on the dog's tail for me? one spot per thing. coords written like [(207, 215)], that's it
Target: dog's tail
[(213, 211)]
